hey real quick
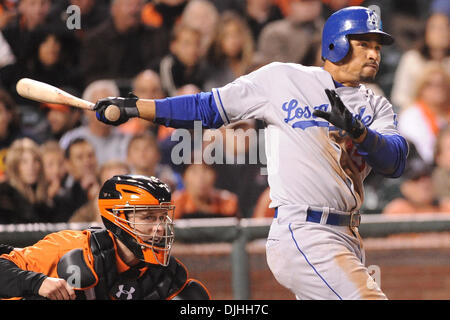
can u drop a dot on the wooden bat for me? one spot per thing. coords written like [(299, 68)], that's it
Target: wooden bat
[(44, 92)]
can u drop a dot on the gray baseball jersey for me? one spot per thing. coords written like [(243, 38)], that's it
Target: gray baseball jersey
[(310, 164), (309, 161)]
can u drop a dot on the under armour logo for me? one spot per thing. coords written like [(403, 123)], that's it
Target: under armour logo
[(129, 293), (373, 22)]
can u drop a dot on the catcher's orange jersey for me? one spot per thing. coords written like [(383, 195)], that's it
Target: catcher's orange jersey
[(44, 256)]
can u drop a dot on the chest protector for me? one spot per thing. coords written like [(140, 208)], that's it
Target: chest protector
[(105, 283)]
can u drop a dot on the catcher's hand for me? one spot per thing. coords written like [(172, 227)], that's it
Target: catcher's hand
[(127, 107), (340, 116), (56, 289)]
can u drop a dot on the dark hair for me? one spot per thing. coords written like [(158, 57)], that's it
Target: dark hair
[(424, 50), (38, 36), (7, 100), (10, 105), (422, 46), (72, 143), (66, 39)]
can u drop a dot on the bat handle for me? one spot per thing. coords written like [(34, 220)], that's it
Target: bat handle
[(112, 113)]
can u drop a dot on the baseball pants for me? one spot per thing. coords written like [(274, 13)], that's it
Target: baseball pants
[(319, 262)]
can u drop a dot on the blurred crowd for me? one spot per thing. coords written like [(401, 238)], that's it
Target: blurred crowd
[(54, 158)]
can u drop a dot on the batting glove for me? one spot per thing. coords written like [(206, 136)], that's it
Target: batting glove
[(340, 116), (127, 107)]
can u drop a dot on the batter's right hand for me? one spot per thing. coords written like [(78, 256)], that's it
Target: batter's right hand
[(56, 289), (127, 107)]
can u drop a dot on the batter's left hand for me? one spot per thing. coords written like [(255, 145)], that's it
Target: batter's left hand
[(340, 116)]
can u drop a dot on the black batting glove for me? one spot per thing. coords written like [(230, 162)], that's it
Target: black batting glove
[(340, 116), (127, 107)]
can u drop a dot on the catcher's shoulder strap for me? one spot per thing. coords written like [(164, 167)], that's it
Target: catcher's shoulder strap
[(94, 278), (104, 254), (73, 268)]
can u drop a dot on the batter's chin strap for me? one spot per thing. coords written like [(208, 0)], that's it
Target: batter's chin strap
[(193, 290)]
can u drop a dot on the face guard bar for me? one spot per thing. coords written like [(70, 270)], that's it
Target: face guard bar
[(152, 227)]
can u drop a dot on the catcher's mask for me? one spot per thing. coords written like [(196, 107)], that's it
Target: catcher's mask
[(138, 211)]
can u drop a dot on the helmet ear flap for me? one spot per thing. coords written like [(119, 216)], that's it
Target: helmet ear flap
[(338, 48)]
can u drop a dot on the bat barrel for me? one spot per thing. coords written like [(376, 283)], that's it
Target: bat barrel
[(44, 92)]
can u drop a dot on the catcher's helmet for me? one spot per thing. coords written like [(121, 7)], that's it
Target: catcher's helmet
[(347, 21), (124, 196)]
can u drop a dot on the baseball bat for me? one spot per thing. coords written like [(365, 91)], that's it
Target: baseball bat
[(44, 92)]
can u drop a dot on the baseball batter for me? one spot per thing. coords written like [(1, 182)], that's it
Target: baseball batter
[(325, 131)]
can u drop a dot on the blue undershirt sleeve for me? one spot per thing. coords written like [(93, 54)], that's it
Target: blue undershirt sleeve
[(182, 111), (386, 154)]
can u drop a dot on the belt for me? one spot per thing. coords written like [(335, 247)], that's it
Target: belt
[(352, 220)]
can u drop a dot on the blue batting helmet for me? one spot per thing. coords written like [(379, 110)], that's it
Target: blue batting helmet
[(351, 20)]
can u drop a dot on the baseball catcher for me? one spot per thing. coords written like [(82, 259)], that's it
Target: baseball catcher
[(129, 259)]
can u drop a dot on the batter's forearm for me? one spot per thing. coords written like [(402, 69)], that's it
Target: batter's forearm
[(386, 154), (147, 109), (183, 111)]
